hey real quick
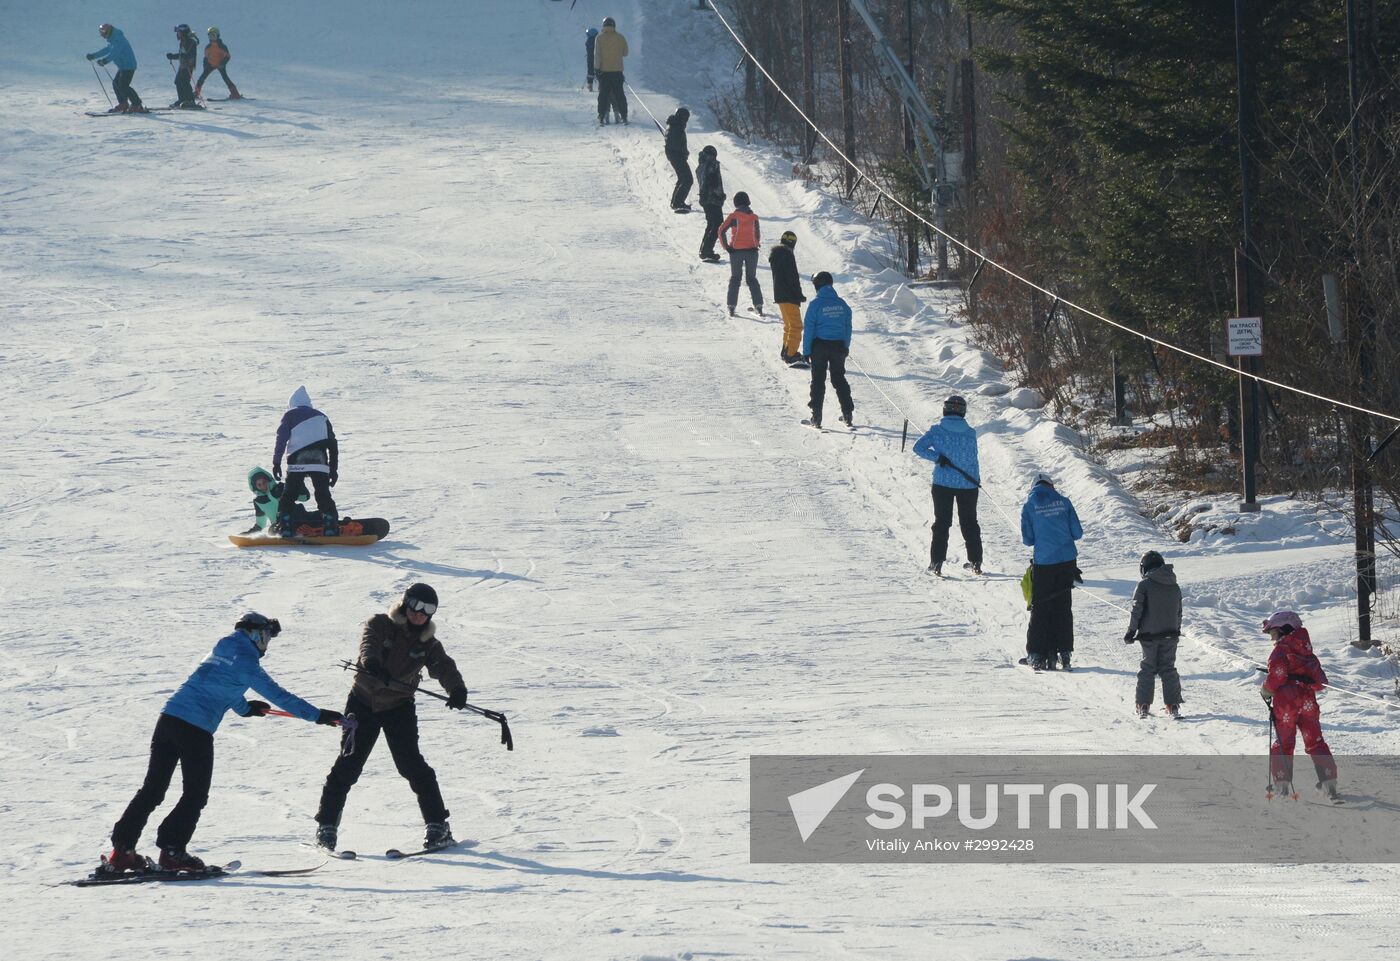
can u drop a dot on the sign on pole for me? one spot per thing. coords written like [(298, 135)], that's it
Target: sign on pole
[(1244, 336)]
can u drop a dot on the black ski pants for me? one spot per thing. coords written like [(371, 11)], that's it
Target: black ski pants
[(126, 93), (1159, 660), (830, 355), (223, 72), (296, 486), (684, 181), (400, 727), (184, 90), (714, 216), (943, 500), (611, 95), (1051, 630), (743, 266), (192, 748)]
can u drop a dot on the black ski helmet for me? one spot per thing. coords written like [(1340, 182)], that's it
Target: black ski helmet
[(182, 28), (955, 406), (609, 22), (260, 628), (788, 239), (741, 199), (1150, 562), (821, 279), (422, 598), (105, 29)]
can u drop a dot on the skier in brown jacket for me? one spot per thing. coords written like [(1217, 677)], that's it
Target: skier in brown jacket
[(394, 651)]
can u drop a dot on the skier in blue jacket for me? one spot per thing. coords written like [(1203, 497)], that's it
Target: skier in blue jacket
[(118, 51), (952, 445), (1050, 526), (826, 342), (184, 735)]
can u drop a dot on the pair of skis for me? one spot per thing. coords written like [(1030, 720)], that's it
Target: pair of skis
[(394, 854), (102, 877)]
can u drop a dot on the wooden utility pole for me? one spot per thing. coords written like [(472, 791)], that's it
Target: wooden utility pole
[(1362, 495), (911, 223), (809, 86), (1248, 302), (848, 110)]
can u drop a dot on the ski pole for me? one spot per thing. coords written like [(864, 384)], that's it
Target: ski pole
[(644, 107), (496, 716), (348, 724), (99, 83)]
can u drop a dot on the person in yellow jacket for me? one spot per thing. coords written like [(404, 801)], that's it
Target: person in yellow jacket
[(609, 50)]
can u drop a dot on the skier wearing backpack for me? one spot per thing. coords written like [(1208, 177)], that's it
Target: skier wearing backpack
[(1290, 691), (184, 71), (788, 295), (1050, 526), (712, 196), (1156, 624), (952, 445), (739, 235), (184, 737), (216, 57), (118, 51), (678, 153), (395, 649), (306, 436)]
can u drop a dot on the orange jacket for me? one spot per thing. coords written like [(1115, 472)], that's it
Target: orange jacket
[(216, 53), (744, 223)]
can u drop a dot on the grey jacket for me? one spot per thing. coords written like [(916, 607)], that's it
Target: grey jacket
[(1157, 605)]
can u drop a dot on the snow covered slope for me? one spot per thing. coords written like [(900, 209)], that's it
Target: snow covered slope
[(642, 559)]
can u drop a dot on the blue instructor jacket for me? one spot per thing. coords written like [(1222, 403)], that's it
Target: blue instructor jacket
[(217, 686), (952, 438), (1050, 525), (118, 50), (827, 317)]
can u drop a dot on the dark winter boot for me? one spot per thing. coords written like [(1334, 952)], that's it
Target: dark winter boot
[(330, 525), (175, 859), (233, 93), (327, 836), (437, 834), (285, 527), (1064, 661), (1174, 710), (936, 569), (1144, 710), (126, 859)]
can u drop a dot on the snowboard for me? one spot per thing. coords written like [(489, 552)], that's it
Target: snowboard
[(370, 529)]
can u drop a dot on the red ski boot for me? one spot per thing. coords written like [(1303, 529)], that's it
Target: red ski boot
[(233, 93), (120, 861)]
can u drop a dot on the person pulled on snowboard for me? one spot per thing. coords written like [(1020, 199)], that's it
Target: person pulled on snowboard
[(788, 295), (306, 436), (1156, 624), (952, 445), (740, 235), (609, 51), (267, 492), (708, 175), (184, 69), (395, 649), (589, 37), (216, 57), (1050, 526), (184, 736), (826, 343), (1290, 691), (678, 153), (118, 51)]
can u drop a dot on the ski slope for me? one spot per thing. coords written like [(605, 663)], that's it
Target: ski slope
[(643, 560)]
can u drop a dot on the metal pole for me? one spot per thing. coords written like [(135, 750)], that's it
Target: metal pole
[(848, 113), (1246, 299), (809, 87)]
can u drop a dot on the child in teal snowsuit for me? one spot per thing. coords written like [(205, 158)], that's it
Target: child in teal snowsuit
[(266, 492)]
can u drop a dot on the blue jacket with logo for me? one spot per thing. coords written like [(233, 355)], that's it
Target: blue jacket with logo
[(828, 317), (118, 50), (217, 686), (1050, 525), (953, 438)]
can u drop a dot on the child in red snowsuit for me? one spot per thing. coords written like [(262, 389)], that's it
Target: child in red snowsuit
[(1295, 677)]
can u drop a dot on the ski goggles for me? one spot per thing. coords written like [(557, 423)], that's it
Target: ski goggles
[(422, 607)]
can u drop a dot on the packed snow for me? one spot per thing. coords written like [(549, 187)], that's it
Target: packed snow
[(643, 559)]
